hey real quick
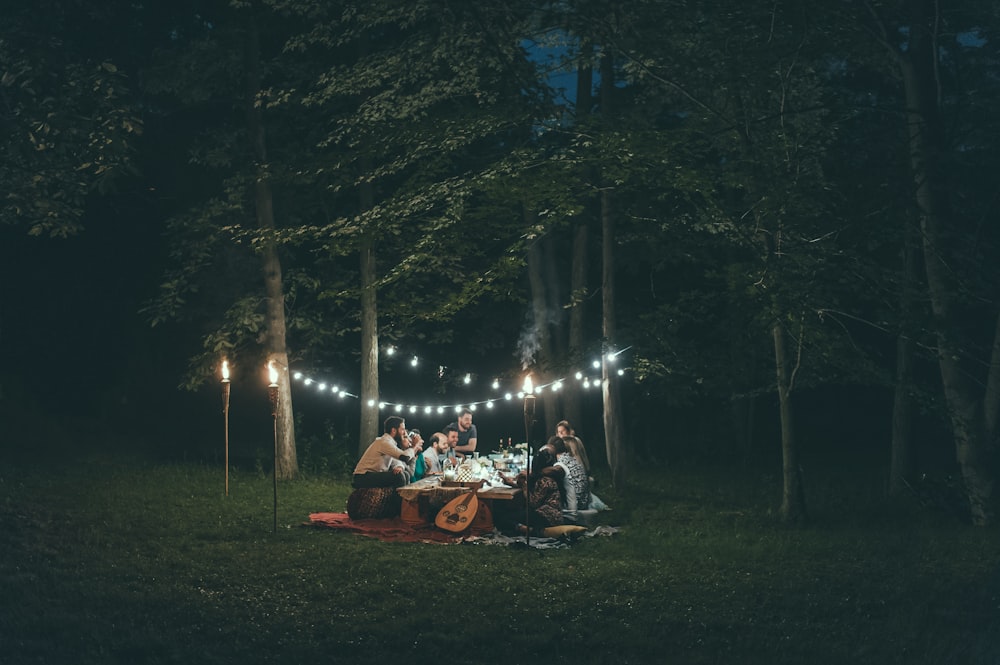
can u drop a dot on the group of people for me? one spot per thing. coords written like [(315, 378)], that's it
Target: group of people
[(392, 459), (556, 489)]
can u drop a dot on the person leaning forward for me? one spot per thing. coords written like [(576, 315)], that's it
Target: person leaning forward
[(387, 462)]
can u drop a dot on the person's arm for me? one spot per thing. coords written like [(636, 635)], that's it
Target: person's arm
[(557, 472), (468, 448), (394, 451)]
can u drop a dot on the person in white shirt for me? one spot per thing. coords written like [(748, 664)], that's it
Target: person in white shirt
[(388, 461)]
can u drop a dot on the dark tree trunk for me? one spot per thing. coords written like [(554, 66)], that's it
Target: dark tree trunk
[(793, 502), (540, 316), (967, 404), (287, 466), (578, 300), (369, 426), (369, 347), (579, 264), (901, 461), (609, 379)]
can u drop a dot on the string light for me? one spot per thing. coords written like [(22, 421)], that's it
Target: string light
[(585, 381)]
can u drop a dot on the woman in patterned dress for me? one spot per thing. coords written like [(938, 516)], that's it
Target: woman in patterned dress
[(542, 494)]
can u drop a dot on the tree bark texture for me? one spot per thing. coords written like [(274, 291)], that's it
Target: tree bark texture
[(578, 287), (369, 347), (286, 462), (901, 459), (609, 380), (925, 132), (369, 427), (578, 261), (609, 384), (540, 318), (793, 502)]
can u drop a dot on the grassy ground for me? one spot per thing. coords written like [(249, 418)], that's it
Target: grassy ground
[(105, 560)]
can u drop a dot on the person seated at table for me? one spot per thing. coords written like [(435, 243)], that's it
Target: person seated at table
[(388, 461), (575, 447), (544, 507), (574, 483), (435, 455), (573, 443), (417, 469), (451, 436)]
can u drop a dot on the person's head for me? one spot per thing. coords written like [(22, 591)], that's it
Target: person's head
[(412, 438), (452, 435), (557, 444), (440, 443), (542, 459), (395, 427), (465, 420), (563, 428)]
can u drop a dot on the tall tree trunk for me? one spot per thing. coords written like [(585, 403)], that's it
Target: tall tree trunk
[(901, 461), (578, 289), (369, 423), (613, 442), (609, 379), (974, 446), (793, 502), (369, 347), (540, 316), (369, 428), (552, 404), (578, 268), (287, 465)]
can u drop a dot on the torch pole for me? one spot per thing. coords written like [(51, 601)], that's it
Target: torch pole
[(529, 418), (272, 392), (226, 385)]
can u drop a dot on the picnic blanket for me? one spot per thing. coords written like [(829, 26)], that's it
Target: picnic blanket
[(389, 530), (396, 530)]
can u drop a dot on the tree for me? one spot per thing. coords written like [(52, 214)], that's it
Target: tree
[(404, 149), (911, 39), (275, 346), (742, 136), (216, 71)]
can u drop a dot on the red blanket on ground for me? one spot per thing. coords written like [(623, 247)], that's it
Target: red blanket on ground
[(394, 529)]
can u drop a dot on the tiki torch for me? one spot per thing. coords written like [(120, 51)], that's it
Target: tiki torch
[(529, 419), (225, 415), (272, 393)]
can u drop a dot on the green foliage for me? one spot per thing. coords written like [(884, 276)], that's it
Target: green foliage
[(67, 121)]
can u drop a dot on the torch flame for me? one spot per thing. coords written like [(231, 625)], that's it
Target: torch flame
[(528, 388), (272, 372), (225, 370)]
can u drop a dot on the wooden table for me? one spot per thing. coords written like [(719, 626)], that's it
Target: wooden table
[(422, 500)]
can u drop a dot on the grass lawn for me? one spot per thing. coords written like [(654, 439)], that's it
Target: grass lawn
[(111, 560)]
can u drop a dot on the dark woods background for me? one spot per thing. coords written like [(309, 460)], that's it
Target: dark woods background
[(721, 190)]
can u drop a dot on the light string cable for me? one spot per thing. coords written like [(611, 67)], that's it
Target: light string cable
[(339, 389)]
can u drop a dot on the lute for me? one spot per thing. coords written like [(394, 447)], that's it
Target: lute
[(457, 514)]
